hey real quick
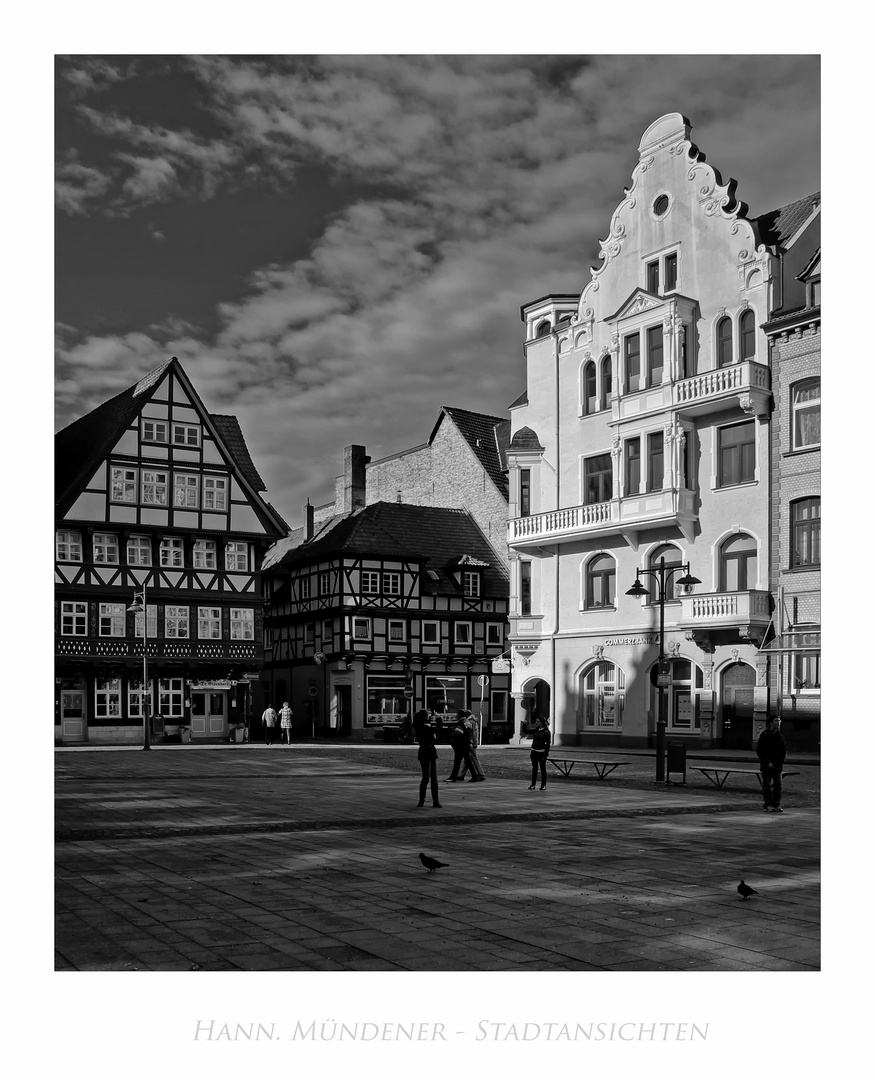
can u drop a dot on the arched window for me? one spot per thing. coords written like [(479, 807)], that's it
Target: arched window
[(672, 558), (682, 695), (606, 383), (724, 342), (747, 335), (590, 401), (806, 414), (738, 563), (543, 329), (602, 692), (805, 529), (601, 574)]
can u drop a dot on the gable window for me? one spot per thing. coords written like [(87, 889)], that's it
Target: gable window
[(805, 527), (361, 629), (171, 551), (738, 563), (431, 633), (736, 454), (590, 400), (526, 588), (139, 551), (397, 630), (670, 267), (597, 483), (68, 546), (462, 634), (155, 431), (325, 583), (654, 355), (470, 583), (632, 355), (494, 634), (175, 622), (236, 555), (600, 582), (304, 588), (806, 414), (747, 335), (185, 489), (154, 487), (186, 435), (370, 581), (672, 557), (724, 342), (633, 466), (309, 633), (74, 619), (123, 485), (651, 277), (151, 622), (525, 492), (602, 696), (215, 493), (242, 624), (112, 620), (806, 673), (391, 583), (204, 554), (107, 699), (209, 622), (655, 460)]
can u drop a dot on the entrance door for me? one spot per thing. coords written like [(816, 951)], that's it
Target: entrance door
[(209, 712), (73, 715), (737, 702), (344, 709)]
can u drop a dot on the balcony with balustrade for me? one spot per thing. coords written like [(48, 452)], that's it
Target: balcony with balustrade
[(748, 384), (626, 516), (745, 613)]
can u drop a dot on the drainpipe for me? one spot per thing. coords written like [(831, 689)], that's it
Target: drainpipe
[(554, 688)]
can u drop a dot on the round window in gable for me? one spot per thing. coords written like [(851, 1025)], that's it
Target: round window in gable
[(660, 205)]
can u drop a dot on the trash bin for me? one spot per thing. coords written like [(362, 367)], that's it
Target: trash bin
[(676, 760)]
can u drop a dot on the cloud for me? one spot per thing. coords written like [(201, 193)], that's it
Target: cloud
[(78, 187), (152, 178)]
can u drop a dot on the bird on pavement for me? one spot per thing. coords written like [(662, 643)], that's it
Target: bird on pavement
[(430, 864), (745, 890)]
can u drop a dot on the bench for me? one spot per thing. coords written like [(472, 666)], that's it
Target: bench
[(602, 768), (719, 776)]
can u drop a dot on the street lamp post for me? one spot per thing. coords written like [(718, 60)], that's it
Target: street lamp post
[(662, 575), (139, 605)]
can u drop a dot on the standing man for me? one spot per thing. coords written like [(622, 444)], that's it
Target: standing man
[(286, 723), (473, 727), (540, 750), (460, 741), (268, 722), (772, 750)]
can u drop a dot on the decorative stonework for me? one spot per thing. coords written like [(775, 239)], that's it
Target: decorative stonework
[(598, 651)]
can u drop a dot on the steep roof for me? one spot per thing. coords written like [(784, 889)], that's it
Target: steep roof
[(229, 428), (433, 536), (525, 439), (778, 227), (487, 436)]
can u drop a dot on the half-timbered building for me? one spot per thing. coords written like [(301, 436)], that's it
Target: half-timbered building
[(383, 608), (156, 497)]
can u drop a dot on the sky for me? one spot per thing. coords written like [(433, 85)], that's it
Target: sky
[(337, 246)]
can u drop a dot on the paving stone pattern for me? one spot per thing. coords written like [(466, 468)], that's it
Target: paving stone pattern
[(300, 858)]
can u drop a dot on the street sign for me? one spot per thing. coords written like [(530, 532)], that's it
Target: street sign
[(663, 680), (500, 667), (251, 676), (483, 680), (408, 692)]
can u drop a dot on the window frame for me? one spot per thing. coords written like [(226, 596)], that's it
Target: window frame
[(654, 339), (187, 429), (724, 349), (606, 576), (325, 588), (151, 478), (212, 488), (111, 620), (145, 422), (173, 546), (809, 406), (139, 542), (628, 354), (104, 691), (211, 620), (371, 586), (435, 623), (525, 488), (601, 474), (608, 682), (471, 583), (655, 452), (151, 623), (722, 481), (457, 625), (747, 336), (190, 487), (803, 662), (176, 618), (742, 572), (73, 614), (242, 619), (525, 597), (391, 582), (396, 624), (234, 551), (171, 699), (362, 628), (809, 527), (498, 636), (66, 549), (205, 553), (107, 544), (127, 479)]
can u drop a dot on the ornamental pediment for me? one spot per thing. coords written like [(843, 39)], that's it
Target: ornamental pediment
[(639, 301)]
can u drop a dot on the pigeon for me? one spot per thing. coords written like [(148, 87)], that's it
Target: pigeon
[(431, 864), (745, 891)]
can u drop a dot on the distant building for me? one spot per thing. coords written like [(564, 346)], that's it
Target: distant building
[(154, 492), (793, 331), (392, 598), (644, 435)]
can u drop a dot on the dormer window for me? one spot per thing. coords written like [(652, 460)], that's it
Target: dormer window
[(470, 583), (670, 267), (661, 275)]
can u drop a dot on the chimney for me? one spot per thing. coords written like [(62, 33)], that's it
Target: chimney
[(354, 467), (308, 521)]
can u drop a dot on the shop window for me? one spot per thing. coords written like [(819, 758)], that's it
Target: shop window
[(215, 493), (386, 703), (672, 557), (171, 553), (104, 548), (601, 574), (446, 694), (175, 621), (806, 414), (205, 554), (597, 479), (139, 551), (111, 621), (724, 342), (736, 454), (135, 698), (123, 485), (154, 488), (681, 696), (68, 546), (242, 624), (185, 490), (805, 526), (747, 339), (602, 692), (74, 619), (738, 564), (209, 623), (107, 699)]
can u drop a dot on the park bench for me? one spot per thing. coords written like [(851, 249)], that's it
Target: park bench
[(602, 768), (719, 776)]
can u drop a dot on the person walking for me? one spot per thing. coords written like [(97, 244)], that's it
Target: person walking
[(286, 724), (460, 741), (772, 750), (473, 729), (540, 750), (268, 722), (423, 732)]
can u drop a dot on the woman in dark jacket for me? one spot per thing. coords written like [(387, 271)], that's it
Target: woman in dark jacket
[(540, 750), (427, 757)]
